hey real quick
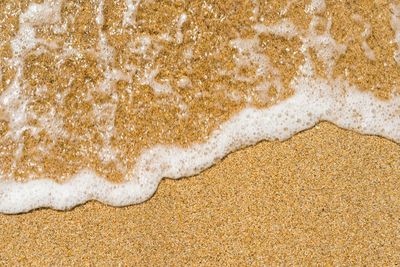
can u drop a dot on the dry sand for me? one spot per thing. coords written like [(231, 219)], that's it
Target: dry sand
[(327, 195)]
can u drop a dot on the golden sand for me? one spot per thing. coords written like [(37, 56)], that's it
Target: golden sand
[(327, 196)]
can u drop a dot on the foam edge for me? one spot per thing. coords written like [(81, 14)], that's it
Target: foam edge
[(310, 105)]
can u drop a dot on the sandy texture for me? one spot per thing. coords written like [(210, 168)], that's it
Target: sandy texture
[(327, 195), (100, 84)]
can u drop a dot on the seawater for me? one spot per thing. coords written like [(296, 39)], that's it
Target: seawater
[(103, 99)]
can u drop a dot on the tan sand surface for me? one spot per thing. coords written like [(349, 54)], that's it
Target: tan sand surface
[(327, 195)]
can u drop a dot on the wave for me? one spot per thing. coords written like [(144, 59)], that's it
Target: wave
[(307, 107), (79, 84)]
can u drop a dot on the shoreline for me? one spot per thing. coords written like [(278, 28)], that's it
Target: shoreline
[(98, 85), (326, 194), (246, 127)]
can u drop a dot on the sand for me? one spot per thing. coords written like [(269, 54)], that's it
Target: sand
[(125, 87), (327, 196)]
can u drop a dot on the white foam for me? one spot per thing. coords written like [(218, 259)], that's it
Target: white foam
[(250, 55), (46, 13), (184, 82), (284, 28), (365, 34), (37, 14), (12, 100), (130, 14), (150, 79), (316, 6), (395, 23), (179, 34), (315, 99), (307, 107)]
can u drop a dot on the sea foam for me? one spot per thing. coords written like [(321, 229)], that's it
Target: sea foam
[(302, 111), (314, 100)]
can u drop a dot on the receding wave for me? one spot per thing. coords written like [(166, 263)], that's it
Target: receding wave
[(102, 100)]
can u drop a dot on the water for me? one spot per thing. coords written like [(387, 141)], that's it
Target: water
[(102, 100)]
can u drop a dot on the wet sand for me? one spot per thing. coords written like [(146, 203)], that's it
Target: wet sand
[(327, 195)]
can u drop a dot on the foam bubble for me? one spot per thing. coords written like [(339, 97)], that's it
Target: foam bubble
[(395, 23), (307, 107), (130, 14), (316, 6), (314, 100), (179, 34)]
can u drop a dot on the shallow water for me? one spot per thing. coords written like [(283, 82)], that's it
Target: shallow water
[(101, 100)]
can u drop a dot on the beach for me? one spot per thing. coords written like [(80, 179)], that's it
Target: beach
[(327, 196), (200, 132)]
